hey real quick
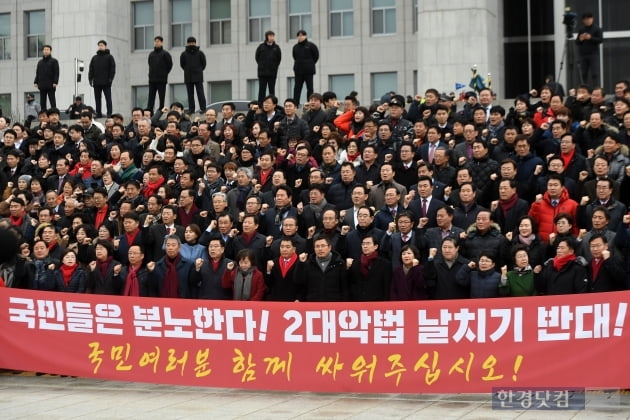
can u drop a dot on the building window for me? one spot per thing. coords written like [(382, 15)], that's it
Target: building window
[(383, 17), (341, 84), (383, 83), (341, 18), (143, 25), (299, 17), (179, 93), (5, 103), (35, 33), (259, 19), (5, 36), (220, 22), (181, 28), (252, 88), (517, 57), (220, 91), (140, 96)]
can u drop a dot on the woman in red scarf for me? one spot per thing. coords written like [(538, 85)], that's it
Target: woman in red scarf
[(106, 276), (565, 273), (370, 275), (352, 153), (70, 276)]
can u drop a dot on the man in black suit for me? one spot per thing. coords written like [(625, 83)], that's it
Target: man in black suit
[(392, 242), (425, 169), (427, 150), (311, 214), (359, 198), (432, 237), (425, 207), (55, 182), (155, 234), (406, 171)]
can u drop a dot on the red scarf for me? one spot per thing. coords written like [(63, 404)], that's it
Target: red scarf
[(285, 266), (506, 205), (248, 238), (101, 215), (215, 265), (104, 265), (67, 272), (366, 262), (170, 287), (152, 187), (352, 158), (567, 158), (132, 236), (264, 175), (186, 218), (132, 286), (16, 221), (596, 265), (51, 245), (560, 262)]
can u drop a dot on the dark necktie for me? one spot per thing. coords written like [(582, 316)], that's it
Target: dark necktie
[(424, 207)]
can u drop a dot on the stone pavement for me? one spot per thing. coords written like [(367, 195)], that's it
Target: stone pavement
[(52, 397)]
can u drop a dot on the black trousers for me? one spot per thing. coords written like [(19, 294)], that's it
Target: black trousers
[(263, 83), (160, 89), (50, 94), (201, 96), (98, 92), (589, 66), (300, 79)]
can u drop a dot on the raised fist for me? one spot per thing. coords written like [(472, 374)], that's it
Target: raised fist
[(230, 265), (349, 262)]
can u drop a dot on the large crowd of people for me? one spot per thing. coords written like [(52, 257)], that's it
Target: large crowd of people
[(407, 199)]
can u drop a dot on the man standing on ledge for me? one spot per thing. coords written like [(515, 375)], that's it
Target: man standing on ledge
[(160, 65), (588, 39), (193, 62), (47, 77), (268, 57), (305, 54), (101, 76)]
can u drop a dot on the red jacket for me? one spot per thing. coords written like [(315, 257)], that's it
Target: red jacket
[(258, 283), (543, 213), (344, 123)]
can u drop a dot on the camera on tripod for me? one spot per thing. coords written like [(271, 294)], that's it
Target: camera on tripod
[(569, 21)]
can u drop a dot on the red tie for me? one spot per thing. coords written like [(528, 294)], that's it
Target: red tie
[(424, 207), (431, 152)]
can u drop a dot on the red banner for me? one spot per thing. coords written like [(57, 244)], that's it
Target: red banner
[(399, 347)]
